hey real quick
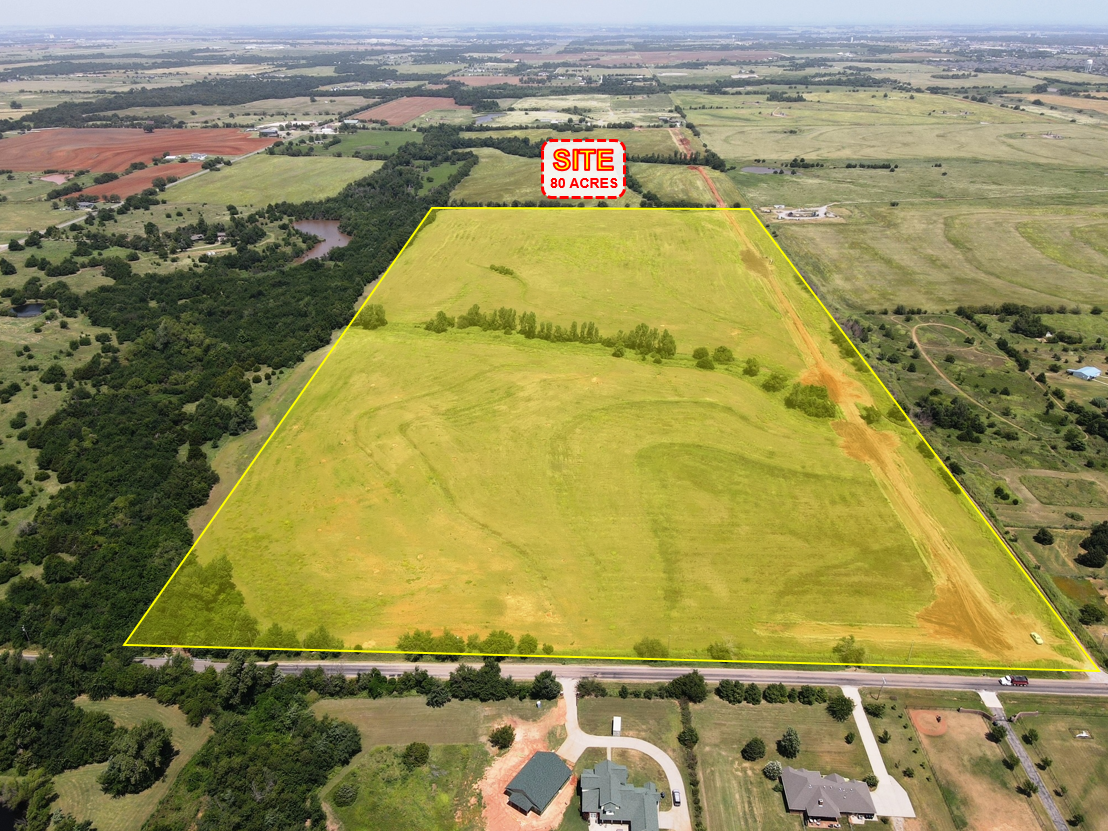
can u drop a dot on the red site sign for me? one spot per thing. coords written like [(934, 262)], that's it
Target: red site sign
[(584, 169)]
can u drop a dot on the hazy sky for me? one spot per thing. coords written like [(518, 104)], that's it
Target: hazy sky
[(211, 14)]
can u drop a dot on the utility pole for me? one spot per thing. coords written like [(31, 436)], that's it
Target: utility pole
[(882, 688)]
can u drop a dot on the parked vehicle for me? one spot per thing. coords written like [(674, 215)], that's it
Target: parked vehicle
[(677, 798)]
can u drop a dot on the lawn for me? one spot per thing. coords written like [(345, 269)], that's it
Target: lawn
[(657, 721), (453, 480), (979, 791), (80, 795), (262, 179), (736, 794), (438, 796)]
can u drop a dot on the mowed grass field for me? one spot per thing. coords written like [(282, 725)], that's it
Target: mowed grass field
[(476, 480), (259, 180), (80, 795), (503, 178)]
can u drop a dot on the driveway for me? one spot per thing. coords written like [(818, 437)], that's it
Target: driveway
[(890, 799), (577, 742)]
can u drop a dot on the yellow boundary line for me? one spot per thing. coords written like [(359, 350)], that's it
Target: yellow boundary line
[(831, 317)]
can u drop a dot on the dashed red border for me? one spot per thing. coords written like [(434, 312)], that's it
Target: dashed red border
[(542, 167)]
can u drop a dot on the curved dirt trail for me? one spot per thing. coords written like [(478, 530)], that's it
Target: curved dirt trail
[(963, 612), (961, 391)]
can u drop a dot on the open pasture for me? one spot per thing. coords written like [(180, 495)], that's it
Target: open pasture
[(113, 149), (478, 480), (500, 177), (269, 110), (674, 183), (639, 142), (259, 180)]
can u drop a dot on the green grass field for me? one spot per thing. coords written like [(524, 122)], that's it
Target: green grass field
[(80, 795), (736, 794), (261, 179), (638, 142), (679, 183), (500, 177), (476, 480)]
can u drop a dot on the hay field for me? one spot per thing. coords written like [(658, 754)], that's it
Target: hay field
[(259, 180), (478, 480), (678, 182), (638, 142)]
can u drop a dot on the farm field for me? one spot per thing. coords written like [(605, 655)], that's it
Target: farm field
[(259, 180), (113, 149), (638, 142), (80, 795), (267, 110), (681, 450), (736, 794), (680, 183), (403, 110), (138, 181), (500, 177)]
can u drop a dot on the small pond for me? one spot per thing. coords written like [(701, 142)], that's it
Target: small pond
[(489, 117), (327, 230), (28, 310), (759, 169)]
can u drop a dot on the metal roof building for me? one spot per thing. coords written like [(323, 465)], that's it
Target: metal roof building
[(537, 783), (1086, 373), (826, 798)]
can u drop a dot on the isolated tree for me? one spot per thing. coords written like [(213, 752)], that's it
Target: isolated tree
[(700, 353), (372, 316), (754, 750), (139, 758), (772, 770), (528, 645), (667, 346), (1043, 537), (690, 686), (723, 355), (719, 651), (848, 651), (415, 755), (6, 268), (545, 687), (998, 732), (840, 707), (498, 642), (850, 737), (502, 737), (751, 367), (1031, 736), (789, 744), (688, 737)]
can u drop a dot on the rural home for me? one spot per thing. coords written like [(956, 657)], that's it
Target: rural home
[(537, 783), (607, 798), (1086, 373), (824, 799)]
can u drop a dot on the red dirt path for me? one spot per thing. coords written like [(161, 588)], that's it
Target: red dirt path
[(530, 739), (113, 149), (712, 187), (140, 180), (403, 110), (927, 722)]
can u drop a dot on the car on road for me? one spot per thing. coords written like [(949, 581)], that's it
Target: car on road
[(1014, 681)]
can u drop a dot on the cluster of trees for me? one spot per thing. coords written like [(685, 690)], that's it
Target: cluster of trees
[(735, 692), (642, 339), (957, 415), (1021, 361), (1095, 547), (449, 646), (487, 684)]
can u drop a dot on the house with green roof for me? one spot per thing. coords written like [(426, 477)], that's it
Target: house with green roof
[(537, 783), (607, 798)]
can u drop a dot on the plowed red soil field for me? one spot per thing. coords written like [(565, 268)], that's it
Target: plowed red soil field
[(112, 150), (484, 80), (403, 110), (140, 180)]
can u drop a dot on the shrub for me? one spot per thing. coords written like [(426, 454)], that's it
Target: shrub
[(909, 772), (776, 382), (874, 709), (884, 737), (688, 737), (723, 355), (345, 795), (775, 694), (416, 755), (528, 645), (545, 687), (754, 750), (812, 400), (502, 737), (840, 708), (651, 648), (719, 651), (617, 352), (752, 368), (690, 686), (591, 688), (700, 353), (849, 651), (772, 770), (850, 737), (705, 363), (870, 780), (372, 317), (870, 415)]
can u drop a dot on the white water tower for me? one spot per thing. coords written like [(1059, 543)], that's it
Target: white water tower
[(1089, 65)]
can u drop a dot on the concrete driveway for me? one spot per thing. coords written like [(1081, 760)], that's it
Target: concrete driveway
[(890, 799), (577, 742)]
